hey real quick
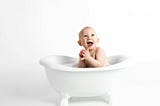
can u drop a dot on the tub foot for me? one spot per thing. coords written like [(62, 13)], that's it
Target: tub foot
[(107, 98), (64, 100)]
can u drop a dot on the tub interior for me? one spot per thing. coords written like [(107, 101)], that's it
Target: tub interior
[(73, 62), (113, 60), (116, 59)]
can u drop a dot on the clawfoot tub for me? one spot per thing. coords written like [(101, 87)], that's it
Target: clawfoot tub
[(70, 81)]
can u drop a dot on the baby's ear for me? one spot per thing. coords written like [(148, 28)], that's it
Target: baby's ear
[(79, 42)]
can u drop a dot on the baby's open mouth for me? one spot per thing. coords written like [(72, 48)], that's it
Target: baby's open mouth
[(89, 43)]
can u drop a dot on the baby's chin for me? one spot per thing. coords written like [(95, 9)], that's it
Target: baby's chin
[(91, 47)]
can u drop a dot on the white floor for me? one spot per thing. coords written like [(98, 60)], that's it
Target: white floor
[(23, 87)]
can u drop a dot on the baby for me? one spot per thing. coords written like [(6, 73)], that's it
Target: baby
[(91, 55)]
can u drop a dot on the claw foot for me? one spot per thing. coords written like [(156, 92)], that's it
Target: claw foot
[(64, 100), (106, 98)]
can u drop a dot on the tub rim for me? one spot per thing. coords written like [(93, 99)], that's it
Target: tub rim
[(121, 65)]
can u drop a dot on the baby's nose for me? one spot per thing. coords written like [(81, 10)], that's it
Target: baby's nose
[(89, 37)]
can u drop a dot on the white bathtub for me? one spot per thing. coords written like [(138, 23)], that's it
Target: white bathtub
[(70, 81)]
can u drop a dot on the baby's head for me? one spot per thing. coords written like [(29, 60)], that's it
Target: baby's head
[(88, 38)]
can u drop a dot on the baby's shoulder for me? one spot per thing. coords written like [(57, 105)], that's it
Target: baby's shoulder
[(99, 49)]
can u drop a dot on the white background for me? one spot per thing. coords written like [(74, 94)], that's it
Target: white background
[(32, 29)]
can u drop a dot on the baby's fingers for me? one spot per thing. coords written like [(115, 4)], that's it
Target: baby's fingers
[(82, 59), (80, 55), (84, 54)]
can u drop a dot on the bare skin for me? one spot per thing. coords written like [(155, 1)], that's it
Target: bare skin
[(91, 55)]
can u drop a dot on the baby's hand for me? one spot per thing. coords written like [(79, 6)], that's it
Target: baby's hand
[(81, 55), (84, 54)]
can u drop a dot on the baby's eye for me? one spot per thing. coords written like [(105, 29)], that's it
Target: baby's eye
[(85, 35), (92, 35)]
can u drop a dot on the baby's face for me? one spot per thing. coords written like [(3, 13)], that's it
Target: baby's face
[(88, 39)]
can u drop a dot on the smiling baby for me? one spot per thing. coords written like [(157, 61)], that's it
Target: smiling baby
[(92, 55)]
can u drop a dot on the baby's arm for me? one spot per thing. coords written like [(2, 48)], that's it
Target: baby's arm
[(81, 63), (100, 59)]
